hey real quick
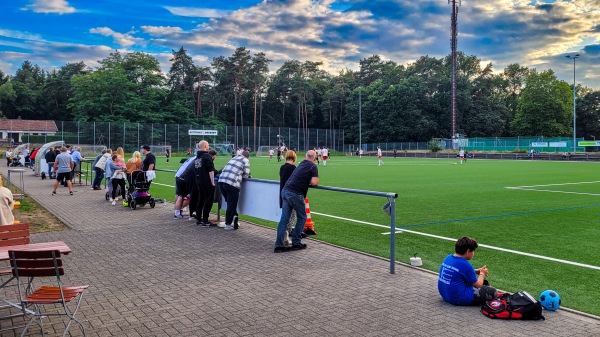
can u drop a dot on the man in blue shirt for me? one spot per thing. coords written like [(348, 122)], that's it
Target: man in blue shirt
[(63, 166), (459, 283)]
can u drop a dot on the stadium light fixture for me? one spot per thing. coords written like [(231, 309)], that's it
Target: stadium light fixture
[(574, 57)]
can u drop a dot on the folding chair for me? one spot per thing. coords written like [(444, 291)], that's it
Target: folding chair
[(28, 265)]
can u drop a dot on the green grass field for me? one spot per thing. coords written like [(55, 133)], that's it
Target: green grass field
[(516, 209)]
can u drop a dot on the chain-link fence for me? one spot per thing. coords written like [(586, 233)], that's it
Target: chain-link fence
[(131, 136)]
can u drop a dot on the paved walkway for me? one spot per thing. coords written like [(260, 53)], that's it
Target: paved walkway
[(151, 275)]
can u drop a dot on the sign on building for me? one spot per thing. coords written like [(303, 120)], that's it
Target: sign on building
[(202, 132)]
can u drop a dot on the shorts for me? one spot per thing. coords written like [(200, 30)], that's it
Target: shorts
[(379, 157), (325, 157), (181, 188), (63, 175), (462, 157), (271, 156)]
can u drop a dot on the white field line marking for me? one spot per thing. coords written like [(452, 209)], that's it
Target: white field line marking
[(533, 188), (163, 185), (454, 240), (583, 182), (551, 191)]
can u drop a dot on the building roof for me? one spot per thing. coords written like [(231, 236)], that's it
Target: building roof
[(27, 125)]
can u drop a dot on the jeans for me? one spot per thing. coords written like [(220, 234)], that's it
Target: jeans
[(98, 177), (232, 196), (291, 201), (50, 168)]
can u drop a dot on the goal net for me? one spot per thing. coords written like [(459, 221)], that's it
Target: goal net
[(263, 151), (159, 150), (223, 149), (91, 151)]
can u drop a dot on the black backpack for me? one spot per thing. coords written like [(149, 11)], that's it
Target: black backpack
[(520, 305)]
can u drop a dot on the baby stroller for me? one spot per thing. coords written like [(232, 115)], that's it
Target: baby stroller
[(137, 193), (15, 162)]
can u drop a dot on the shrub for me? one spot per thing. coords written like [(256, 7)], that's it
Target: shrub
[(434, 145)]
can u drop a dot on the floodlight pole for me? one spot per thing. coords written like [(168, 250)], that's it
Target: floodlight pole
[(359, 118), (574, 57)]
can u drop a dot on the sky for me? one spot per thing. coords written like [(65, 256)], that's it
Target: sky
[(537, 34)]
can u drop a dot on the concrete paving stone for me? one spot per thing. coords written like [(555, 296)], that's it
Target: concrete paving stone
[(150, 275)]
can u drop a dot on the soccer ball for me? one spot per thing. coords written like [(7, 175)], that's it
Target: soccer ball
[(550, 300)]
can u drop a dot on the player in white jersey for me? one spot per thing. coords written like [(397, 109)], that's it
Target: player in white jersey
[(271, 152), (461, 155), (379, 155), (325, 155)]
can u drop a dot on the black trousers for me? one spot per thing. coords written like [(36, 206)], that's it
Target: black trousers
[(205, 201), (232, 196)]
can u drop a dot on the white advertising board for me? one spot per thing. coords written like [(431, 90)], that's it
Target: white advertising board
[(258, 199), (202, 132)]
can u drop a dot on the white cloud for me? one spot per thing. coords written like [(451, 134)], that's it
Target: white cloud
[(196, 12), (50, 6), (162, 30), (124, 40)]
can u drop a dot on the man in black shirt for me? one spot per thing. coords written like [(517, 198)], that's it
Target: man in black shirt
[(149, 159), (205, 182), (293, 194)]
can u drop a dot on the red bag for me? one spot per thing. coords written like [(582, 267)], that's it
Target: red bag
[(520, 305)]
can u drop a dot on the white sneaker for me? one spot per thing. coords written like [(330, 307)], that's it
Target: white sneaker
[(221, 225), (228, 227), (111, 199), (114, 203)]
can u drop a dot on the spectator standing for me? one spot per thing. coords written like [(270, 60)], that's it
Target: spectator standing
[(230, 182), (8, 156), (32, 157), (204, 172), (77, 158), (7, 204), (50, 158), (118, 177), (459, 283), (285, 172), (99, 168), (182, 187), (293, 194), (149, 162), (63, 165)]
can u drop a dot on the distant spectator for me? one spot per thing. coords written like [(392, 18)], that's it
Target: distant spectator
[(50, 158), (63, 165), (6, 205)]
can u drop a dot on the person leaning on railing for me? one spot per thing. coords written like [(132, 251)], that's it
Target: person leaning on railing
[(7, 204)]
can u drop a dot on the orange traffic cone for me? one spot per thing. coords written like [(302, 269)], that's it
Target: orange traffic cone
[(309, 226)]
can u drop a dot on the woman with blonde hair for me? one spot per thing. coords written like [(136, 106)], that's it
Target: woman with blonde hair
[(285, 172), (120, 152), (7, 204), (134, 163)]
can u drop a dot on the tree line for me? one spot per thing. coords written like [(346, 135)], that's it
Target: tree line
[(398, 103)]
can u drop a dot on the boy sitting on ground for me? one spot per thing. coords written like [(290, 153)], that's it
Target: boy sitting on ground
[(459, 283)]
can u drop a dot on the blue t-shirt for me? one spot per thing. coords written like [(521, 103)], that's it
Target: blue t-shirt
[(455, 280)]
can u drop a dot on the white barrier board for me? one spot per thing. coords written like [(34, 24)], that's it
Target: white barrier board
[(258, 199)]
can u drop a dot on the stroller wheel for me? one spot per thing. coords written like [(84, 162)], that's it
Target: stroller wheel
[(152, 203), (107, 196), (132, 204)]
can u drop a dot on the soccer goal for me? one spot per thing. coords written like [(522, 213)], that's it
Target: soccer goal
[(223, 149), (159, 150), (91, 151), (263, 151)]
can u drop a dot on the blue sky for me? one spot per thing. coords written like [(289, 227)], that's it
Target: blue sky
[(537, 34)]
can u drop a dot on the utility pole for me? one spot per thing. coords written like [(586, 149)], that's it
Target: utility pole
[(453, 45)]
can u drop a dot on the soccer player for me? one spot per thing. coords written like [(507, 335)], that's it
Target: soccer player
[(379, 155), (461, 155), (271, 152), (325, 155)]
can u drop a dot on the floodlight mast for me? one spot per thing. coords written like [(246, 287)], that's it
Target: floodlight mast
[(453, 45), (574, 57)]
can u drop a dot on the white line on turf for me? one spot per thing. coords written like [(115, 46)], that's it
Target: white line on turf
[(582, 182), (551, 191), (163, 185), (547, 258)]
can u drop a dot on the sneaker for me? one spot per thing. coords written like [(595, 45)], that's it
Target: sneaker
[(281, 249), (229, 227), (299, 246), (114, 203), (235, 222), (53, 192), (179, 216), (71, 193), (310, 231), (212, 224), (111, 199), (221, 225), (202, 224)]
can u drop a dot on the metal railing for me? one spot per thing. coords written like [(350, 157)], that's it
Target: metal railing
[(391, 206)]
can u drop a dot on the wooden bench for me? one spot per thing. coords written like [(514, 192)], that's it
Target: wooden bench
[(13, 235)]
